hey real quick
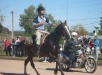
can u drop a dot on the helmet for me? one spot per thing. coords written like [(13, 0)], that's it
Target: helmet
[(74, 34), (40, 9)]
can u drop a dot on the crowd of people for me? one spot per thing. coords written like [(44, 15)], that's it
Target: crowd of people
[(10, 47), (93, 45)]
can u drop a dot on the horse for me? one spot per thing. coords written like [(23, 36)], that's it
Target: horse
[(50, 47)]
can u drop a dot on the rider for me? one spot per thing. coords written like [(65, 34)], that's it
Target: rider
[(38, 24), (71, 46)]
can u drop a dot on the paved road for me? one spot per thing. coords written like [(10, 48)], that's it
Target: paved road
[(15, 67)]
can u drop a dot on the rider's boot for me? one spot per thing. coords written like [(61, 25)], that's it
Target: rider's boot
[(37, 49)]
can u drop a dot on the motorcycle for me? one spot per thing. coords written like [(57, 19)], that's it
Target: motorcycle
[(82, 60)]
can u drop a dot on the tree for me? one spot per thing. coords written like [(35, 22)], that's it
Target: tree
[(101, 23), (1, 27), (3, 30), (1, 18), (100, 31), (79, 29), (26, 20)]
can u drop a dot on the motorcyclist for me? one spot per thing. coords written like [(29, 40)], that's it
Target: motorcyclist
[(71, 46)]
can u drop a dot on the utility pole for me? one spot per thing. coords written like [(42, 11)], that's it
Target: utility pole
[(12, 24), (12, 28)]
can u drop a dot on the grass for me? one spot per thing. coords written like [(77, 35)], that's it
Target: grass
[(3, 56)]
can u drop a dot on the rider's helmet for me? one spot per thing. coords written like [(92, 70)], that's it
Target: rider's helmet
[(40, 9), (74, 34)]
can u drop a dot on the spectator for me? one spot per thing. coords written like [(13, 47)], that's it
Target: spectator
[(15, 45), (96, 47), (7, 47), (90, 44), (84, 40), (13, 42), (79, 40)]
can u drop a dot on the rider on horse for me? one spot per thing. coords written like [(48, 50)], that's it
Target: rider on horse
[(38, 24)]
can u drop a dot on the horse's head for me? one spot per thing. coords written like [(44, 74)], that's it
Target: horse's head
[(63, 30)]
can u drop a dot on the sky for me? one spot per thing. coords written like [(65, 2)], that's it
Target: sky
[(85, 12)]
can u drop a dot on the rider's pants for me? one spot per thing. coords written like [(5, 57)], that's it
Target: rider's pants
[(38, 34), (72, 56)]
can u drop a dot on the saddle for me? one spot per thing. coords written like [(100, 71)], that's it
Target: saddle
[(31, 40)]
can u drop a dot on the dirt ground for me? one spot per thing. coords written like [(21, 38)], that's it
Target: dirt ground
[(15, 67)]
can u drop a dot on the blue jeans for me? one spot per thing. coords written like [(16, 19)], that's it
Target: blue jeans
[(8, 51), (15, 51), (96, 53)]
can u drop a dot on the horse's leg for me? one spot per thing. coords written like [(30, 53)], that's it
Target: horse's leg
[(33, 66), (56, 69), (58, 61), (25, 64)]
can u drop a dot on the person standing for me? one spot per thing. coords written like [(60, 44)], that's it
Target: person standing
[(7, 44), (96, 47), (90, 44), (84, 41), (15, 45)]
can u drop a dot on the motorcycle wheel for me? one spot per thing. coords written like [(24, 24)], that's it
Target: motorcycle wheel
[(90, 65)]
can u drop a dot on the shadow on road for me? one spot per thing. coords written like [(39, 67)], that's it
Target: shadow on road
[(12, 73), (75, 71), (52, 69)]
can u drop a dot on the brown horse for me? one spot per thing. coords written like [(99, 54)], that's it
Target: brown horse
[(50, 47)]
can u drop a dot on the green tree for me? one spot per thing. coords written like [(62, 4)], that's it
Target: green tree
[(79, 29), (100, 31), (1, 18), (1, 27), (26, 20), (19, 33), (101, 23), (3, 30)]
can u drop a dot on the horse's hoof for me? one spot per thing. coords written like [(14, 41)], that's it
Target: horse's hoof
[(63, 74), (55, 72), (25, 73), (38, 74)]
